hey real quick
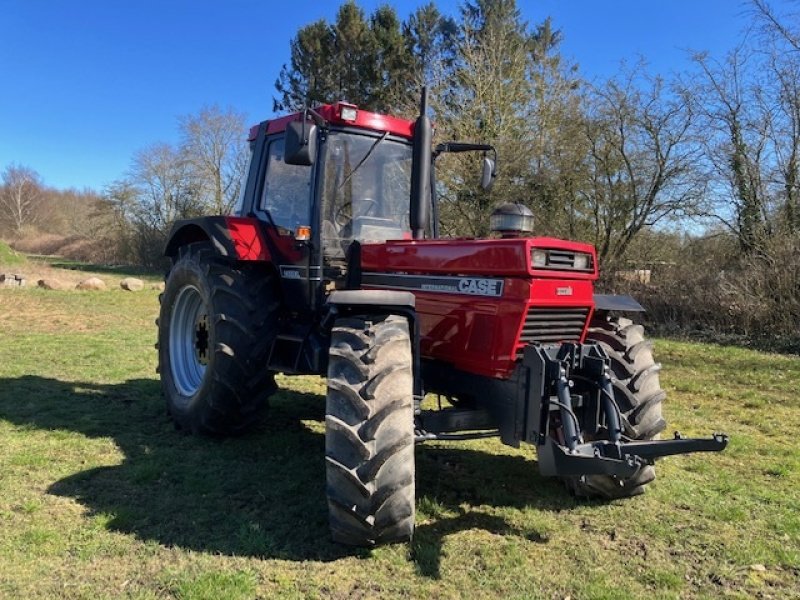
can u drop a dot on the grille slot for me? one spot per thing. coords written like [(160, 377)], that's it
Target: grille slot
[(546, 325), (560, 259)]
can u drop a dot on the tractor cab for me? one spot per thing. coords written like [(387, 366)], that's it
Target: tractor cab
[(322, 179)]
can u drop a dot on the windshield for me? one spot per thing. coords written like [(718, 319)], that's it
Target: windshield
[(365, 190)]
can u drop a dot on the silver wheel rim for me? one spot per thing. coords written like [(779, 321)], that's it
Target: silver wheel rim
[(188, 341)]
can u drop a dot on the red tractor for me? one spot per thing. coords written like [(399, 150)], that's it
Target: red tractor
[(332, 265)]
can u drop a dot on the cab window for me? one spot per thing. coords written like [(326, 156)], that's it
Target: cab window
[(287, 191)]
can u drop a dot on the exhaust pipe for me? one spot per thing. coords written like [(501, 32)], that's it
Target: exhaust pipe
[(420, 211)]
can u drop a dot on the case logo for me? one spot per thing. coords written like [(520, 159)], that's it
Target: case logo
[(564, 291), (481, 287)]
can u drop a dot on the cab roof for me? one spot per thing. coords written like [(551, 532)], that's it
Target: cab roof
[(333, 114)]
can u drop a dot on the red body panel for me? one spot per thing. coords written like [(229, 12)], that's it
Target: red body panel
[(248, 241), (499, 257), (481, 334)]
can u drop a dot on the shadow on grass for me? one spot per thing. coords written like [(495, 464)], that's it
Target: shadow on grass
[(259, 495)]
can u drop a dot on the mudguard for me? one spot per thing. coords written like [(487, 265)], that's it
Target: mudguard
[(619, 303), (238, 238), (372, 298)]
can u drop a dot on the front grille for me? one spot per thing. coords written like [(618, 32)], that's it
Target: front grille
[(551, 325)]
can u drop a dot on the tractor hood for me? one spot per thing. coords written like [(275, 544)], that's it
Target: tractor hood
[(512, 257)]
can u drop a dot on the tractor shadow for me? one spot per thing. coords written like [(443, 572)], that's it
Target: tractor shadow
[(262, 494)]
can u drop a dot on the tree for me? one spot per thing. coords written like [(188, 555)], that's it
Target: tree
[(485, 101), (359, 60), (165, 188), (642, 160), (392, 64), (775, 25), (430, 39), (215, 149), (555, 117), (20, 196), (734, 135), (779, 97)]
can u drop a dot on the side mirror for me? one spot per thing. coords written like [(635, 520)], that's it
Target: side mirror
[(300, 143), (489, 173)]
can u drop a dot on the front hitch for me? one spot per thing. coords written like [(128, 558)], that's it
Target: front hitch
[(550, 382), (621, 459)]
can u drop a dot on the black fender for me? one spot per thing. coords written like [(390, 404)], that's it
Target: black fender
[(237, 238), (606, 302)]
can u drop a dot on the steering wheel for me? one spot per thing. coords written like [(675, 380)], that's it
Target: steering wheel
[(369, 208)]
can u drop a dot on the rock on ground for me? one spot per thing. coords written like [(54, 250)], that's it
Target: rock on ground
[(93, 283), (11, 280), (131, 284), (51, 284), (158, 286)]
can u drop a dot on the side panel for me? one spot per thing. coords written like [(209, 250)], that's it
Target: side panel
[(481, 325), (248, 238), (480, 302)]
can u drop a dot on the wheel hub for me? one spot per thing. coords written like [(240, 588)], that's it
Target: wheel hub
[(189, 340), (201, 340)]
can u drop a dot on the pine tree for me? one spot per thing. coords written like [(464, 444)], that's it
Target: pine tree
[(355, 59)]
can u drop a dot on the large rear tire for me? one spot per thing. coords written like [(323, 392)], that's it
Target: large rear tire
[(369, 431), (638, 394), (216, 326)]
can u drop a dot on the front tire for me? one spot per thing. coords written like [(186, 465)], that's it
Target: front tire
[(637, 392), (369, 431), (216, 327)]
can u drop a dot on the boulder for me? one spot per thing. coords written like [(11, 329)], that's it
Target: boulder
[(131, 284), (11, 280), (158, 286), (51, 284), (93, 283)]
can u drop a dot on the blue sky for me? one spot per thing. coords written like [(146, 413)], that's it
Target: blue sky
[(86, 83)]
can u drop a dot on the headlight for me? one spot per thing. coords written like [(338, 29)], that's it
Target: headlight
[(539, 258), (583, 262)]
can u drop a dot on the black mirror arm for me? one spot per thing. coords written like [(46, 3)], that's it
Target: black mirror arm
[(462, 147), (318, 118)]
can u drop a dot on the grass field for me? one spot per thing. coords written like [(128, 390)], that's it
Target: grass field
[(9, 258), (101, 498)]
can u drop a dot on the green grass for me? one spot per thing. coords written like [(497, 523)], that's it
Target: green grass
[(101, 498), (8, 257)]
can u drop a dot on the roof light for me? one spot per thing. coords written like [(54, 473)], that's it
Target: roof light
[(348, 112)]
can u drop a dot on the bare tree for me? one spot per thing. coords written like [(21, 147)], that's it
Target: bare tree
[(19, 196), (166, 189), (777, 25), (734, 132), (642, 160), (779, 105), (214, 146)]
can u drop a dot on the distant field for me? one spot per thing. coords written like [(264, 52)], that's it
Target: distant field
[(101, 498)]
